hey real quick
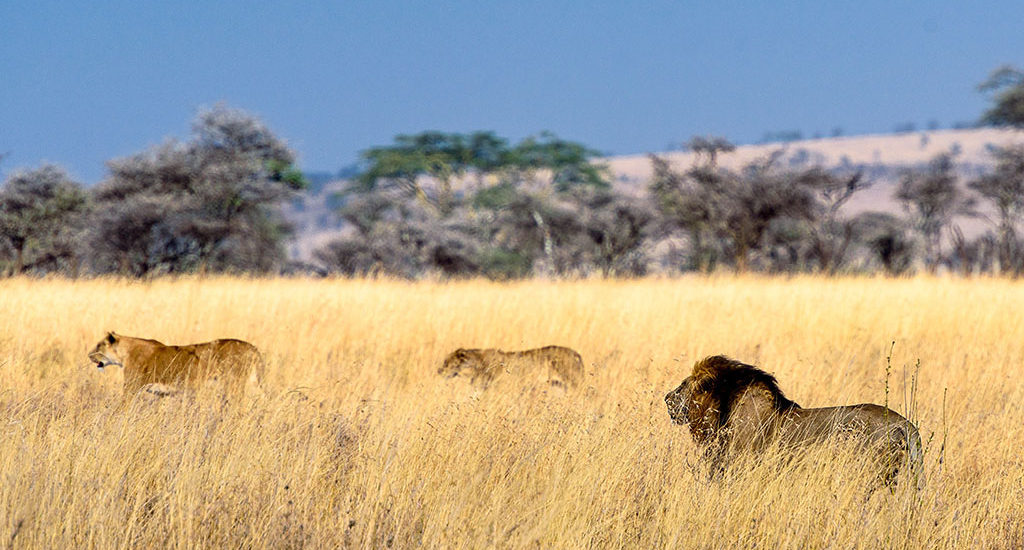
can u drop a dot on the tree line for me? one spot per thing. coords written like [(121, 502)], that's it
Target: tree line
[(206, 204), (477, 204)]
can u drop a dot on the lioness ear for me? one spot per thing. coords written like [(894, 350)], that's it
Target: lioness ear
[(111, 338)]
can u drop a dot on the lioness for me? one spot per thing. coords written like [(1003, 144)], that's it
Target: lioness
[(147, 362), (557, 364), (732, 407)]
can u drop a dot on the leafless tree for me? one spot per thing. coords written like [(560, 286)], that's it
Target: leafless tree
[(831, 235), (780, 218), (1004, 189), (208, 203), (398, 236), (691, 202), (886, 238), (933, 198)]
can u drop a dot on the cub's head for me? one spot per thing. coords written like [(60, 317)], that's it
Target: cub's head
[(459, 361), (107, 352)]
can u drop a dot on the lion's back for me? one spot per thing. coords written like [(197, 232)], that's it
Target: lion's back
[(561, 363), (487, 364), (233, 350), (566, 362), (230, 357), (868, 419), (227, 359), (889, 435), (879, 426)]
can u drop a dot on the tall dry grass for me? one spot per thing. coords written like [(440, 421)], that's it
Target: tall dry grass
[(357, 443)]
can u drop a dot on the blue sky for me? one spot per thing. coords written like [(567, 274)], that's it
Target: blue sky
[(85, 82)]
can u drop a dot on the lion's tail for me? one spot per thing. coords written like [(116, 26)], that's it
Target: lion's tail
[(259, 371), (579, 369), (915, 456)]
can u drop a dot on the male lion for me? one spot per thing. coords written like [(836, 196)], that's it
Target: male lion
[(733, 407), (556, 364), (148, 363)]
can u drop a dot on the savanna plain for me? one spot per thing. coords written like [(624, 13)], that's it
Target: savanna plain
[(355, 441)]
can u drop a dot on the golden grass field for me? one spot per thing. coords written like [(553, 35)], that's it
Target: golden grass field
[(356, 442)]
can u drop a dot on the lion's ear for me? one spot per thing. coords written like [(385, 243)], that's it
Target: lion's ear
[(111, 338)]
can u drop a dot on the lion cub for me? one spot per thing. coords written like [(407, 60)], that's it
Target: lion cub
[(148, 362), (556, 364)]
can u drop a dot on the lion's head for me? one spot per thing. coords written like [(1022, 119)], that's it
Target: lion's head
[(458, 362), (678, 401), (709, 399), (106, 352)]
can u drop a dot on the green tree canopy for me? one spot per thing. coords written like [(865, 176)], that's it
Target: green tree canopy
[(431, 165), (442, 157), (567, 163), (459, 204)]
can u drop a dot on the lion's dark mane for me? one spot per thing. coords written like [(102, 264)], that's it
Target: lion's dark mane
[(723, 378)]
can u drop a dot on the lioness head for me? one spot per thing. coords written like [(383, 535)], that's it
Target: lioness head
[(678, 401), (106, 352), (458, 361)]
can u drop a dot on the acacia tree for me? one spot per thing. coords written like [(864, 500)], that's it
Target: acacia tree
[(830, 235), (572, 233), (691, 202), (40, 214), (711, 146), (429, 165), (460, 203), (405, 209), (615, 230), (549, 161), (1004, 188), (1006, 83), (933, 199), (534, 211), (885, 237), (208, 203), (732, 211), (525, 230)]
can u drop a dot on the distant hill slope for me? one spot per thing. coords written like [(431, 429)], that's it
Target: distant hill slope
[(880, 157)]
